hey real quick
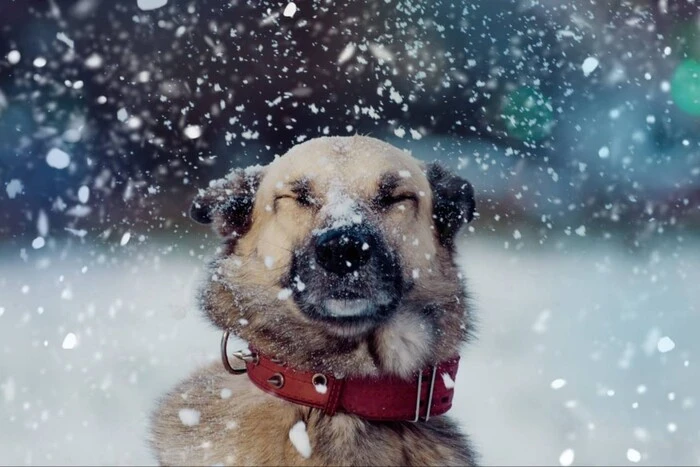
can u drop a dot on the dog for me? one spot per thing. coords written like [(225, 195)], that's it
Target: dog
[(337, 267)]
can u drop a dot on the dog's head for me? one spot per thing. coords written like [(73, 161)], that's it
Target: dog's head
[(339, 256)]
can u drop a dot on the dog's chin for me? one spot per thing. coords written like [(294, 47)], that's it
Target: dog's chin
[(349, 329)]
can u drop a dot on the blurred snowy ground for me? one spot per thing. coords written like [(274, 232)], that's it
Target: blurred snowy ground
[(584, 316)]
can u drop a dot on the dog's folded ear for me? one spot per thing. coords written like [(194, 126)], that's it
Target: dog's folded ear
[(228, 202), (453, 201)]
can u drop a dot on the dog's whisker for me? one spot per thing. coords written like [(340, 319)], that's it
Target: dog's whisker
[(278, 246)]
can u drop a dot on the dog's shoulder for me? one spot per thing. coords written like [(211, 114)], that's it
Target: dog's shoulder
[(195, 423), (216, 418)]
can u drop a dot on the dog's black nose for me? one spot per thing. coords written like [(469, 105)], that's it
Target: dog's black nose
[(344, 250)]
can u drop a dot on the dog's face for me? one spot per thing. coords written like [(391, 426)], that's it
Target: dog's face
[(342, 248)]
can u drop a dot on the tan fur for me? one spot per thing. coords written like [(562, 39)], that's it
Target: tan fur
[(241, 294), (252, 428)]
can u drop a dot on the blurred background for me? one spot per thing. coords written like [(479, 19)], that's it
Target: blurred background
[(577, 122)]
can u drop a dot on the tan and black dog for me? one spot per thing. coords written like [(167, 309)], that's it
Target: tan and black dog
[(338, 258)]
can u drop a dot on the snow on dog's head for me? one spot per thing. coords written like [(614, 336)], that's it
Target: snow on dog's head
[(339, 256)]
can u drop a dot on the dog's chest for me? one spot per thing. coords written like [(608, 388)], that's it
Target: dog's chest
[(214, 418)]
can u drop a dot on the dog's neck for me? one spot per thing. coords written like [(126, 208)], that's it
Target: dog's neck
[(428, 393), (400, 347), (429, 325)]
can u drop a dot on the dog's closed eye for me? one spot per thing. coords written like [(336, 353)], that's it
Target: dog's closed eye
[(302, 199), (384, 202), (300, 191)]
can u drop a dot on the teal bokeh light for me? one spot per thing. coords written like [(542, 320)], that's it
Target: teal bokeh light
[(528, 114), (685, 87), (685, 39)]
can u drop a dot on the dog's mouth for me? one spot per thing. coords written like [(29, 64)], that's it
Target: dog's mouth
[(343, 315), (352, 281), (341, 308)]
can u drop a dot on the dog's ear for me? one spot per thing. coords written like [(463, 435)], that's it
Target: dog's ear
[(227, 203), (453, 201)]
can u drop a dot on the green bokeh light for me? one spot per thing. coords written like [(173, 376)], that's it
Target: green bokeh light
[(685, 86), (685, 39), (528, 114)]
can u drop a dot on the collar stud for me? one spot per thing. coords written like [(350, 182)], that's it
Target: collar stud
[(276, 381)]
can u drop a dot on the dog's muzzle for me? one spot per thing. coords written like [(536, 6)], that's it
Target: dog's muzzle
[(350, 276)]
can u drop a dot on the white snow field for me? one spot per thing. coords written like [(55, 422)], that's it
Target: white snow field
[(587, 353)]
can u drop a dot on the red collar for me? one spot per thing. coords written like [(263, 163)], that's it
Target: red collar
[(386, 398)]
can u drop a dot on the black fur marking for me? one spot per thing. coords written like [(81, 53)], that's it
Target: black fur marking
[(227, 204), (388, 182), (236, 212), (453, 202), (303, 188), (200, 212), (373, 350)]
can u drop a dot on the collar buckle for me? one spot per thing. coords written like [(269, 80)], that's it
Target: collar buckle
[(429, 404)]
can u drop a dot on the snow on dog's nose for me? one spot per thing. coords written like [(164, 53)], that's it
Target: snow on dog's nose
[(345, 250)]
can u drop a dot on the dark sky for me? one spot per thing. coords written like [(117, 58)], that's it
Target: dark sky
[(123, 91)]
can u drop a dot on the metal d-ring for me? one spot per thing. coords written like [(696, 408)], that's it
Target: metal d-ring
[(224, 356)]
